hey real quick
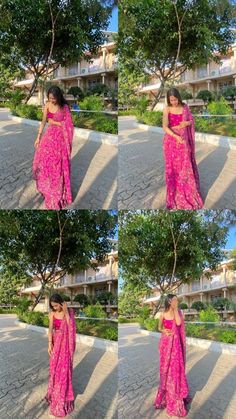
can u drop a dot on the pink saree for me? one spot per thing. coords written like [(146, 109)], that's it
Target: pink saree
[(60, 395), (173, 389), (51, 165), (181, 173)]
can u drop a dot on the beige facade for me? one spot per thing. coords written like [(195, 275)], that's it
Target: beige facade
[(90, 282), (212, 76), (86, 73), (220, 283)]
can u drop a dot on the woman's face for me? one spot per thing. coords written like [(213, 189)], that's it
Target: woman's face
[(174, 302), (173, 101), (56, 306), (52, 99)]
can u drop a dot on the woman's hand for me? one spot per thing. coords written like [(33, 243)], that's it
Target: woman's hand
[(167, 332), (184, 124), (50, 348), (37, 141), (179, 139), (65, 308)]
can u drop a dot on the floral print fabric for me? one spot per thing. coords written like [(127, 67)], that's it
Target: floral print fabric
[(173, 390), (60, 395), (181, 173), (51, 165)]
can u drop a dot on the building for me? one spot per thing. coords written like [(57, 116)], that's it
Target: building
[(213, 77), (211, 286), (89, 282), (101, 68)]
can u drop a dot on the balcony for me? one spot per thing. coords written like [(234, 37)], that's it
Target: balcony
[(217, 282)]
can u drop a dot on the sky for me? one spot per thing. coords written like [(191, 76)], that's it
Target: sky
[(231, 242), (113, 26)]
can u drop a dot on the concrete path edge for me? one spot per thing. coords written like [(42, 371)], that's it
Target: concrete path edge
[(216, 140), (86, 134), (94, 342), (212, 346)]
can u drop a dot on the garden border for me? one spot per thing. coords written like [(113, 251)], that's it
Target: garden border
[(86, 134), (99, 343), (210, 345), (214, 139)]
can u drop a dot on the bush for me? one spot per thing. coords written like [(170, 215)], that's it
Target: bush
[(76, 92), (92, 103), (141, 104), (228, 336), (126, 320), (220, 107), (221, 303), (95, 311), (8, 310), (104, 297), (108, 125), (198, 305), (183, 306), (23, 305), (209, 315), (26, 111), (82, 299), (194, 330), (99, 328), (204, 95), (111, 333), (32, 317), (153, 118), (151, 324)]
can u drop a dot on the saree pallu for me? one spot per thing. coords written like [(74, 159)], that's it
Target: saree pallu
[(51, 165), (60, 395), (181, 172), (173, 391)]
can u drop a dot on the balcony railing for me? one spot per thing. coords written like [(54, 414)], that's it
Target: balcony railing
[(211, 285)]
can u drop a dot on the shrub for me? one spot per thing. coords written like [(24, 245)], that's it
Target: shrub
[(220, 107), (32, 317), (151, 324), (111, 333), (153, 118), (104, 297), (107, 125), (76, 92), (183, 306), (95, 311), (198, 305), (144, 312), (204, 95), (194, 330), (92, 103), (126, 320), (82, 299), (228, 336), (209, 315), (221, 303), (141, 104), (23, 305), (26, 111)]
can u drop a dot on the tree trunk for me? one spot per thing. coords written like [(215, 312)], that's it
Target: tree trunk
[(159, 94), (33, 88), (39, 296)]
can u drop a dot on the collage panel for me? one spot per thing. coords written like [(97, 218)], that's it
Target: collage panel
[(58, 314), (177, 317), (177, 104), (58, 104)]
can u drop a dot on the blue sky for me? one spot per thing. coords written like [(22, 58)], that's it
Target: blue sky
[(113, 26), (231, 242)]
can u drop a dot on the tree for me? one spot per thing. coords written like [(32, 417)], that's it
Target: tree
[(205, 95), (55, 32), (164, 249), (129, 85), (76, 92), (198, 305), (229, 92), (46, 245), (156, 37), (185, 94), (130, 300)]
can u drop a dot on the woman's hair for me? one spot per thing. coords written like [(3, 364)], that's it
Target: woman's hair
[(173, 92), (168, 300), (55, 298), (57, 93)]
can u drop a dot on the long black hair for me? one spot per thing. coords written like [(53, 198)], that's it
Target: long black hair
[(168, 300), (174, 92), (57, 93), (55, 298)]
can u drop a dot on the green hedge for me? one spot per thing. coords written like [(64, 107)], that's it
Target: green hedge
[(212, 332), (153, 118), (125, 320)]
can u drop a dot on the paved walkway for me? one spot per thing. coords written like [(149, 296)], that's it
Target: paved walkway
[(141, 170), (93, 168), (211, 376), (24, 376)]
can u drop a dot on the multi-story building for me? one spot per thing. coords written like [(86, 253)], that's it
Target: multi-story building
[(211, 285), (214, 76), (90, 282), (101, 68)]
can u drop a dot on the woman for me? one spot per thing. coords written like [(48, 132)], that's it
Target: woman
[(173, 389), (61, 347), (182, 179), (51, 165)]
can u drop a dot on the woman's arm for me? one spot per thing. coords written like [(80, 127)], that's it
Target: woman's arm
[(177, 317), (42, 125), (50, 346), (165, 126), (160, 323)]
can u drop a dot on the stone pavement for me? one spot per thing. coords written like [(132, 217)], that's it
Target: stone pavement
[(141, 170), (211, 377), (93, 170), (24, 376)]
